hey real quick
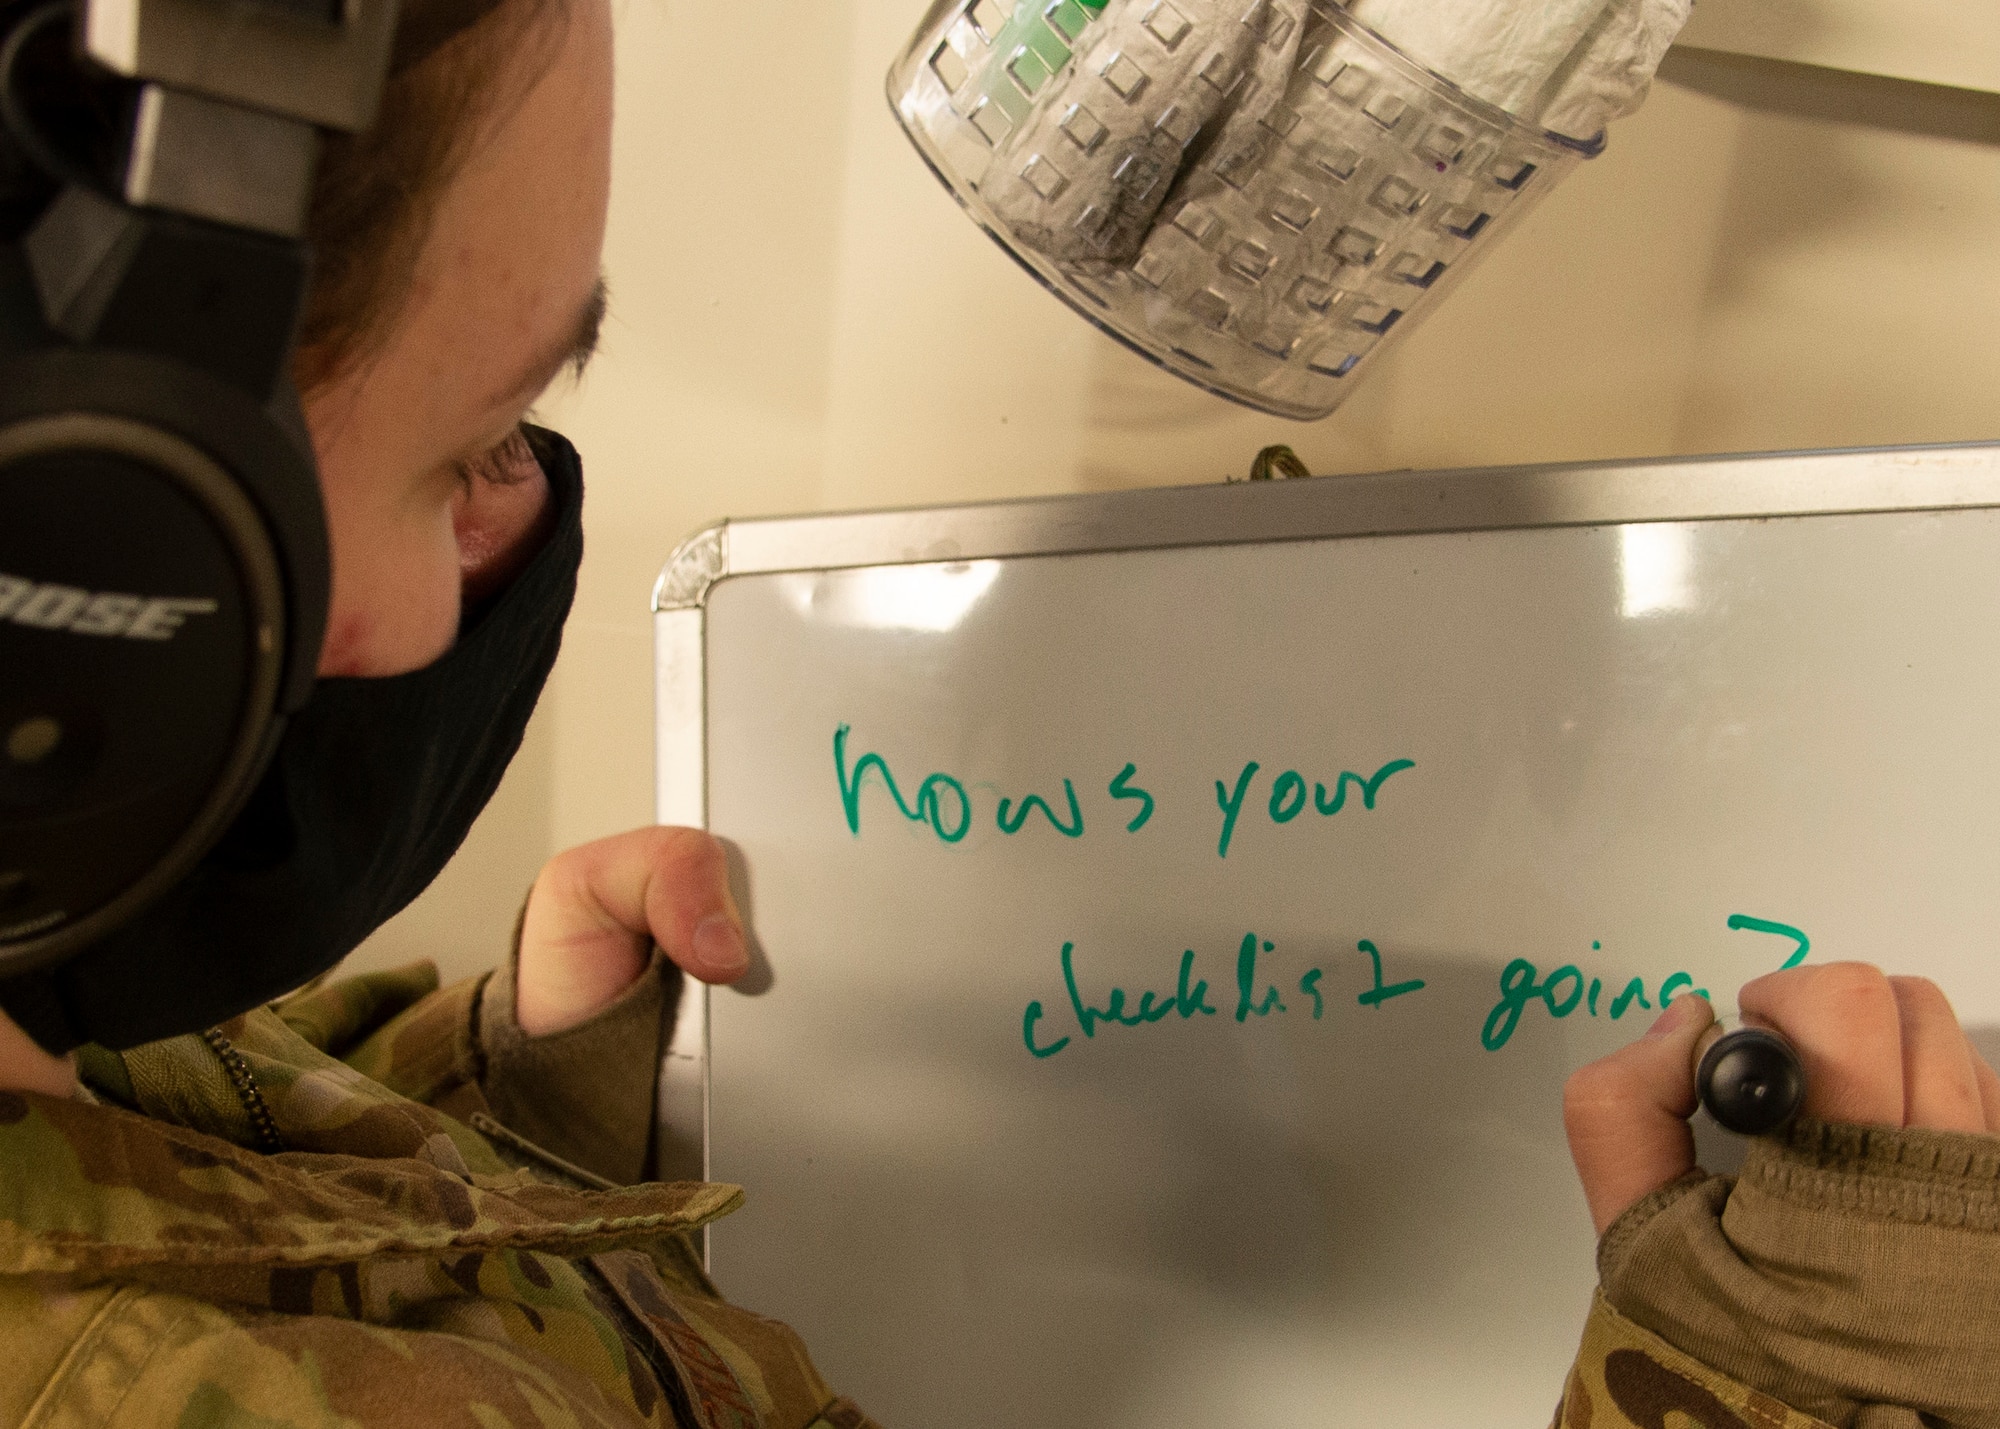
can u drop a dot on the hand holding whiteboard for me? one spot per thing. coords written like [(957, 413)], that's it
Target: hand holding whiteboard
[(1054, 1113)]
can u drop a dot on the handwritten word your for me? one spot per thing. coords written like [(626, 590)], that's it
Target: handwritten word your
[(1288, 795), (942, 801), (1189, 999)]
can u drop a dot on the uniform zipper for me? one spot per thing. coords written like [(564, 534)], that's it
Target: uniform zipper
[(262, 1124)]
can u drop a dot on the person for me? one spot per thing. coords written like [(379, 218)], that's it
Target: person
[(379, 1202), (1847, 1275)]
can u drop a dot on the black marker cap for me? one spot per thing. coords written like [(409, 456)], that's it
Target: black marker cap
[(1751, 1081)]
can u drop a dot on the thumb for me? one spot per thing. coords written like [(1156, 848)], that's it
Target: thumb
[(1626, 1114), (596, 912)]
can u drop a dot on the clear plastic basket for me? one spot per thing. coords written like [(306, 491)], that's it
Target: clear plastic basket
[(1261, 204)]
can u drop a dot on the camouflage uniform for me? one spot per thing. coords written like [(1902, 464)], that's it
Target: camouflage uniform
[(292, 1221), (313, 1217), (1847, 1276)]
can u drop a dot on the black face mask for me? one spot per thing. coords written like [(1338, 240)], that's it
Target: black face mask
[(373, 787)]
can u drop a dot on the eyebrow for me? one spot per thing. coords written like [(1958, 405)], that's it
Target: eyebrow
[(572, 350)]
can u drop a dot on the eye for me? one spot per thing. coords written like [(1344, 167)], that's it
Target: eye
[(508, 462)]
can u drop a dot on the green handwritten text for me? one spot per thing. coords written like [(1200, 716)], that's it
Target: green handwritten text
[(1256, 996), (1783, 930), (1561, 992), (1073, 829), (1379, 994), (1123, 788), (1246, 981), (928, 808), (1288, 795)]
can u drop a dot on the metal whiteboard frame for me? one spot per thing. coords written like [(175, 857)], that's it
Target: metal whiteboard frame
[(1813, 483)]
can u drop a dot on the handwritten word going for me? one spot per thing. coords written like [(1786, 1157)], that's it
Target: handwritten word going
[(1565, 989)]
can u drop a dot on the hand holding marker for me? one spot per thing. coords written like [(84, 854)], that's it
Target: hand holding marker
[(1750, 1078)]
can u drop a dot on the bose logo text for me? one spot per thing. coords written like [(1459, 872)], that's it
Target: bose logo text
[(107, 613)]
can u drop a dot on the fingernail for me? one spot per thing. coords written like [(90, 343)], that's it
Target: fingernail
[(719, 947), (1670, 1020)]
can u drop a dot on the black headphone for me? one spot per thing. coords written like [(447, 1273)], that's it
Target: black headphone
[(163, 553)]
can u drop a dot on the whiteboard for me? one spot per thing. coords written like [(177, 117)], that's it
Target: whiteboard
[(1181, 1038)]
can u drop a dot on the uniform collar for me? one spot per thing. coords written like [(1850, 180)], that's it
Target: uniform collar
[(99, 1192)]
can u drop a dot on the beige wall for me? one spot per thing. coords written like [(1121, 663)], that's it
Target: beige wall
[(1769, 255)]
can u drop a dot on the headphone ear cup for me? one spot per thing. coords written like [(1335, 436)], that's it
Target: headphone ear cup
[(163, 593)]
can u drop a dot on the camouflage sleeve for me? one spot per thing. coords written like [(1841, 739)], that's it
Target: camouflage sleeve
[(1626, 1377), (43, 1320), (732, 1366), (1847, 1275), (585, 1093), (149, 1360), (400, 1029), (340, 1014)]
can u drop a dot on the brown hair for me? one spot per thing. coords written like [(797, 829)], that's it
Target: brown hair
[(376, 192)]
